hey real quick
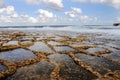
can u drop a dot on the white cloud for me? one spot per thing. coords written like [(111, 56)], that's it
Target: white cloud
[(2, 4), (74, 13), (118, 19), (70, 14), (79, 0), (33, 2), (76, 10), (9, 15), (45, 13), (7, 10), (53, 4), (84, 18), (14, 15), (24, 18), (113, 3), (5, 19), (33, 20)]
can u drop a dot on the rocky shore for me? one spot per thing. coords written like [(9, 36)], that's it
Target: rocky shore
[(58, 55), (116, 24)]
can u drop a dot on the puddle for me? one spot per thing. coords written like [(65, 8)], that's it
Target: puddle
[(25, 42), (57, 38), (99, 42), (99, 64), (11, 43), (40, 47), (17, 55), (53, 43), (63, 48), (115, 56), (3, 67), (69, 34), (27, 38), (107, 47), (113, 37), (70, 70), (87, 42), (38, 71), (91, 50), (40, 38), (114, 45), (80, 45)]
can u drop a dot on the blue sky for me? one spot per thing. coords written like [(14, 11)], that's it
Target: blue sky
[(78, 12)]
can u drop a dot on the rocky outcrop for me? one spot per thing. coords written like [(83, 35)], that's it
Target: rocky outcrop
[(116, 24)]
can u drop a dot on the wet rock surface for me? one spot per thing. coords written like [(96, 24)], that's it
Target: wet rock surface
[(58, 55), (3, 67), (70, 70), (63, 48), (16, 55), (37, 71), (98, 63), (40, 47)]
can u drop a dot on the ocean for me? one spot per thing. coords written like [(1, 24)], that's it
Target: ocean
[(75, 28)]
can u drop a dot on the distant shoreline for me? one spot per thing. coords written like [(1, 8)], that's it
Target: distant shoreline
[(48, 26)]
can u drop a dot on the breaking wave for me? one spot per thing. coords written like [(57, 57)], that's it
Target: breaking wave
[(92, 29)]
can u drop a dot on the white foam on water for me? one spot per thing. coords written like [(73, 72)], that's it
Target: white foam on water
[(86, 29), (112, 31)]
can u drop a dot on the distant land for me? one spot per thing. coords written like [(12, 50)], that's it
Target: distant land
[(39, 26), (116, 24)]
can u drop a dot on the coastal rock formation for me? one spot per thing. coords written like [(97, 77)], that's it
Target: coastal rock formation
[(116, 24), (58, 55)]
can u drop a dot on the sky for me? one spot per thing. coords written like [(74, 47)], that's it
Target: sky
[(59, 12)]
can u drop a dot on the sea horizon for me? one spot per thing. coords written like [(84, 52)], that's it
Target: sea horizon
[(109, 29)]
